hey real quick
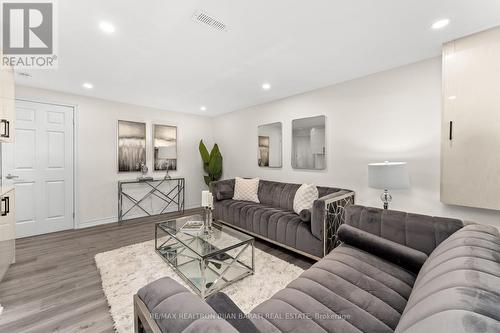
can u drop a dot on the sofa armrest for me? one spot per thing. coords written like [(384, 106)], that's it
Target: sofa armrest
[(175, 309), (328, 214), (222, 189), (228, 310)]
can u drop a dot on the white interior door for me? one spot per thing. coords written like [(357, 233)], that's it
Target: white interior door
[(40, 166)]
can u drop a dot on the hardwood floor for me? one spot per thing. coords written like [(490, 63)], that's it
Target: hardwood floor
[(55, 286)]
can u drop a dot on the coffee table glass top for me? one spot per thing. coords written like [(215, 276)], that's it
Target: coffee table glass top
[(221, 238)]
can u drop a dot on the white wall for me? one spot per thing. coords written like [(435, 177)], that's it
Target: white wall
[(97, 174), (394, 115)]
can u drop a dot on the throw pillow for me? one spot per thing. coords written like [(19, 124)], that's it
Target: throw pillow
[(305, 197), (246, 189)]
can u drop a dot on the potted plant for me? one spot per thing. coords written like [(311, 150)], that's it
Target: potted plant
[(212, 162)]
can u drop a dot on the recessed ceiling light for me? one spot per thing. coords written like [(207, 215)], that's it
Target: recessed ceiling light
[(440, 24), (266, 86), (203, 108), (107, 27), (452, 98), (88, 85)]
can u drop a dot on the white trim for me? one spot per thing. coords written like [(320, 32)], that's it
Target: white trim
[(114, 219), (76, 167), (96, 222)]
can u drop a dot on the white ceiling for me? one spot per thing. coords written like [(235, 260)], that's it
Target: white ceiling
[(160, 57)]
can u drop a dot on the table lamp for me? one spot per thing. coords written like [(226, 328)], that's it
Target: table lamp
[(388, 176), (167, 153)]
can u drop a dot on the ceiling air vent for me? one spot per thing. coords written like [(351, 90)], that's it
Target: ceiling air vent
[(24, 74), (202, 17)]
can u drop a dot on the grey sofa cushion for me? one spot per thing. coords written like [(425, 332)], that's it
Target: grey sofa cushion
[(281, 195), (169, 302), (458, 288), (282, 226), (420, 232), (349, 290), (401, 255)]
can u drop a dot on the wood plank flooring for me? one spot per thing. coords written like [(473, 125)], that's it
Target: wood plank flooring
[(55, 286)]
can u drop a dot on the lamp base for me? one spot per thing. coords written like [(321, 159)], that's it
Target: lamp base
[(386, 198)]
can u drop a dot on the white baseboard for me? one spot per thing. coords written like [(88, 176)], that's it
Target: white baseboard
[(96, 222), (111, 219)]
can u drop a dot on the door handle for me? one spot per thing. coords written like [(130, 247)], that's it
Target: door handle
[(451, 131), (6, 128), (5, 201), (9, 176)]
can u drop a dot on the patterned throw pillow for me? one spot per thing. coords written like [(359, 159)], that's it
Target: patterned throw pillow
[(304, 197), (246, 189)]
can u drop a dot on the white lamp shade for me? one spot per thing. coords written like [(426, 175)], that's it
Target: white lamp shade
[(167, 153), (388, 176)]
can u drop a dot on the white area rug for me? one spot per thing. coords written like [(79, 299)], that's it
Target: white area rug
[(124, 271)]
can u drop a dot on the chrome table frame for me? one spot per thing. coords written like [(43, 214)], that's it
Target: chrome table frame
[(175, 196), (173, 243)]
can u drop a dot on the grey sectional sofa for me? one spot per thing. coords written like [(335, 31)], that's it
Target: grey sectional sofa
[(393, 272), (311, 234)]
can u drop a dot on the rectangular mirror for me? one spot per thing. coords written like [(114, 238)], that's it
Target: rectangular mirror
[(269, 140), (309, 143)]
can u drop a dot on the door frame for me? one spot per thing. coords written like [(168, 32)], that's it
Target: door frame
[(76, 215)]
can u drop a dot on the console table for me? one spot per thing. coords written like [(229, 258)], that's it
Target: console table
[(170, 193)]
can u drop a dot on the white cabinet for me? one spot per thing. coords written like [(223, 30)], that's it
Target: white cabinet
[(7, 231), (470, 165), (7, 104)]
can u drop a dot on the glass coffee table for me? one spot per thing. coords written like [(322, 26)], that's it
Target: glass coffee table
[(207, 262)]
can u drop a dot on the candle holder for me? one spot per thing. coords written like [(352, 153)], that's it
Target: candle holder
[(207, 228), (207, 202)]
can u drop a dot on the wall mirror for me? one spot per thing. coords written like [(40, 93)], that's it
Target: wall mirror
[(269, 141), (309, 143)]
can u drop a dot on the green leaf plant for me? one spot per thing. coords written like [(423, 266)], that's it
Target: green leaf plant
[(212, 163)]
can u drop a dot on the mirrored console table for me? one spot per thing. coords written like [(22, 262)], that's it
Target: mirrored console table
[(137, 198)]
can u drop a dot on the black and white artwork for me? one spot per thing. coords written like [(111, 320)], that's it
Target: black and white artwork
[(165, 147), (131, 145)]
